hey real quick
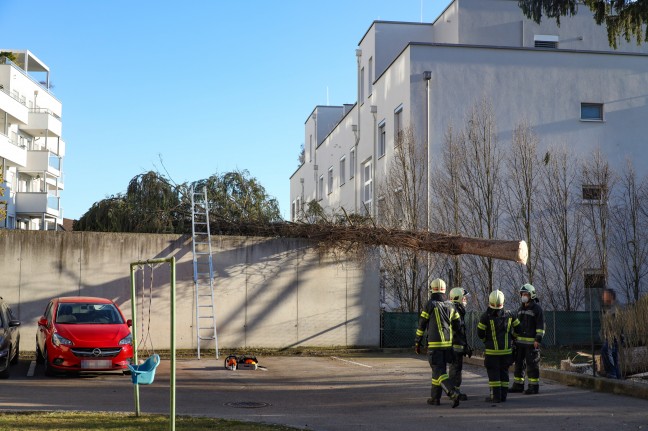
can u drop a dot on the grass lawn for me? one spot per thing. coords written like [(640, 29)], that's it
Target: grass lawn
[(102, 421)]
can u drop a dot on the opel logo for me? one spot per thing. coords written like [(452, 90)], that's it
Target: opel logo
[(96, 352)]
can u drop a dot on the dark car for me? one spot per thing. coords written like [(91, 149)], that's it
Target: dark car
[(83, 334), (9, 339)]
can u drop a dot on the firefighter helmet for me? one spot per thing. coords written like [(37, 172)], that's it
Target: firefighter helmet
[(457, 294), (528, 288), (496, 300), (437, 286)]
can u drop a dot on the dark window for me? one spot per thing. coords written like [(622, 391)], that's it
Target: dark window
[(592, 193), (592, 111), (595, 280), (546, 44)]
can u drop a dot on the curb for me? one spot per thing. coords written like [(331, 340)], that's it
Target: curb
[(598, 384)]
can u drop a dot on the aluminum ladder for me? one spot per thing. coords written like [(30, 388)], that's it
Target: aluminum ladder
[(203, 270)]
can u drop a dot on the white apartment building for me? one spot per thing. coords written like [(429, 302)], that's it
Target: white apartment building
[(565, 82), (31, 147)]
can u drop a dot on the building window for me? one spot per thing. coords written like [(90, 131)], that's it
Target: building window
[(320, 188), (330, 180), (298, 208), (342, 171), (593, 194), (591, 112), (310, 149), (293, 210), (367, 187), (362, 84), (545, 41), (370, 80), (382, 139), (352, 164), (398, 124)]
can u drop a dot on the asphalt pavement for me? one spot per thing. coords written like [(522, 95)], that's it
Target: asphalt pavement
[(377, 391)]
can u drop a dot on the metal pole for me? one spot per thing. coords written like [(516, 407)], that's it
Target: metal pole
[(134, 332), (592, 333), (172, 407)]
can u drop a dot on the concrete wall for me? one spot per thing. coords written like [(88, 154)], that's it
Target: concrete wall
[(269, 292)]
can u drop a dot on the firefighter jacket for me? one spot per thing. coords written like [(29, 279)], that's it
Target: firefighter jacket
[(440, 319), (532, 327), (459, 339), (495, 329)]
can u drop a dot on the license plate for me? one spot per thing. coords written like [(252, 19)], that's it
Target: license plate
[(96, 363)]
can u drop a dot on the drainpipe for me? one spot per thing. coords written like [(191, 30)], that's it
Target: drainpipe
[(357, 135), (317, 197), (374, 110), (427, 75)]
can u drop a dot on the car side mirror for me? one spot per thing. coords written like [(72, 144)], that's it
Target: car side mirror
[(42, 321), (129, 323), (14, 323)]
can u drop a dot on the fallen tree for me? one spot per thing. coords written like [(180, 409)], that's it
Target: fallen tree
[(350, 237)]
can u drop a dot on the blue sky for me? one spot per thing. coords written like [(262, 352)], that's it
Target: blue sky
[(192, 88)]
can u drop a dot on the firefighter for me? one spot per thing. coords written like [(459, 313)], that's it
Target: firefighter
[(495, 329), (440, 320), (459, 297), (529, 337)]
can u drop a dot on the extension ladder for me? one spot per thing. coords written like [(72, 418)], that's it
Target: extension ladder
[(203, 270)]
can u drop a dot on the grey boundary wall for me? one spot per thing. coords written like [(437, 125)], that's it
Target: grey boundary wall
[(273, 293)]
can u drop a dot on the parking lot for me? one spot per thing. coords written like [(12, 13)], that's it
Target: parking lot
[(370, 391)]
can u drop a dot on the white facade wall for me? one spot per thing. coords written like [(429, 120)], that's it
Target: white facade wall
[(482, 49), (31, 146)]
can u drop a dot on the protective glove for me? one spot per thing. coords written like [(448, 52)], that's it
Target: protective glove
[(468, 351), (417, 349)]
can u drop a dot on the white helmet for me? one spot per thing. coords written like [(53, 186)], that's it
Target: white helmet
[(528, 288), (437, 286), (496, 300), (457, 294)]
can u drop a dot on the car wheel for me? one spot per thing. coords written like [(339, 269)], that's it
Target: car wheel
[(39, 355), (48, 369), (14, 360)]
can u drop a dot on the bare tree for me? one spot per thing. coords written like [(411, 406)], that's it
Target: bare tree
[(561, 223), (481, 184), (445, 193), (629, 235), (522, 184), (402, 202)]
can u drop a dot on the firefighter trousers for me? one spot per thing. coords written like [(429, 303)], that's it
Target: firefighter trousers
[(527, 362), (438, 360)]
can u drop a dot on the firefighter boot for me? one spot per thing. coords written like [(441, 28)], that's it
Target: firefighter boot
[(454, 396), (504, 393), (517, 387), (435, 397), (495, 396), (462, 396), (532, 390)]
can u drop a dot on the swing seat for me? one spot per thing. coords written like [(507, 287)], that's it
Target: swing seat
[(144, 374)]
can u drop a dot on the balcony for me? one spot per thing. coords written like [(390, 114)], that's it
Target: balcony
[(44, 161), (43, 122), (13, 106), (12, 152), (37, 204)]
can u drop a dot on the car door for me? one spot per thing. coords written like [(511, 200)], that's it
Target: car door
[(13, 330), (44, 326)]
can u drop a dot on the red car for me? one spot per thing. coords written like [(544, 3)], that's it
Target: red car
[(83, 334)]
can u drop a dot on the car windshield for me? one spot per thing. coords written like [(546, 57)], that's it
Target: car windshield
[(87, 313)]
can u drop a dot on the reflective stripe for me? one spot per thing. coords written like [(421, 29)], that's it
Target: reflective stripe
[(498, 352), (443, 377), (481, 326), (494, 334), (425, 315), (457, 348), (505, 385), (438, 344), (535, 381), (525, 340), (540, 331), (518, 379), (419, 333), (496, 384), (440, 327)]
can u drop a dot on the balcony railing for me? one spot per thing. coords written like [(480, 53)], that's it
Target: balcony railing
[(35, 203)]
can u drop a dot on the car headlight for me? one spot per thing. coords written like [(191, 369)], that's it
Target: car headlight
[(126, 340), (57, 340)]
